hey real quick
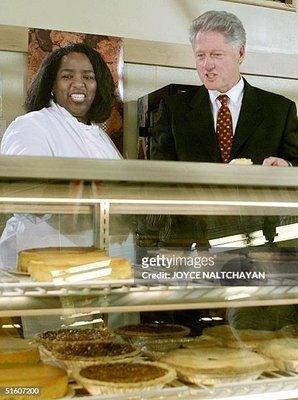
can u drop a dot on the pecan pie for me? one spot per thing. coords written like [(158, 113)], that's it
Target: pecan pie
[(109, 378), (154, 337), (78, 355), (97, 351), (64, 336), (153, 330)]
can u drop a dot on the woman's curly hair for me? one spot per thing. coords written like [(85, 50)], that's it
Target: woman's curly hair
[(39, 93)]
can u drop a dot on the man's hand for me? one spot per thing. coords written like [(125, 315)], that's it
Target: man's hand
[(275, 162)]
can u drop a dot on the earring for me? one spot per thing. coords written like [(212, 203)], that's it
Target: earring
[(52, 94)]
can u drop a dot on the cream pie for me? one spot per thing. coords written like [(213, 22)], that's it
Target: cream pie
[(239, 338), (203, 341), (283, 351), (211, 365)]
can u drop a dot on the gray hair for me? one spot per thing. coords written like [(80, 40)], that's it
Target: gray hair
[(220, 21)]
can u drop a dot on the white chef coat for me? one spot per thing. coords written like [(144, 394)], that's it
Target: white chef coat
[(52, 131)]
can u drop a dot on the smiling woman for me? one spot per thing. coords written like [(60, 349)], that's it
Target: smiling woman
[(72, 92), (75, 85)]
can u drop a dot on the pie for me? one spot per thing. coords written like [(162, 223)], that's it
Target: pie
[(211, 365), (62, 337), (203, 341), (51, 381), (218, 331), (153, 330), (120, 377), (249, 338), (289, 331), (94, 352), (78, 355), (17, 350), (154, 338), (283, 351), (238, 338)]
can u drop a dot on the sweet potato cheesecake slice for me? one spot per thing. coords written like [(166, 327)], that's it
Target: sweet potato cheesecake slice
[(153, 330), (82, 254), (121, 377)]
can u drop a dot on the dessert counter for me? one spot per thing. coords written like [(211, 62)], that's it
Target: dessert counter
[(56, 283), (114, 369)]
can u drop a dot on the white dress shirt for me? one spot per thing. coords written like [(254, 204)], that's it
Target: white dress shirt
[(235, 95)]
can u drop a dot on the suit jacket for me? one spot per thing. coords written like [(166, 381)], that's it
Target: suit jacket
[(267, 126)]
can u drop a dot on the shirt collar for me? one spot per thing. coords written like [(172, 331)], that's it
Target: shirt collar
[(56, 107), (234, 94)]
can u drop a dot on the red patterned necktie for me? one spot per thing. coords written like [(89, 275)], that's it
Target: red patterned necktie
[(224, 128)]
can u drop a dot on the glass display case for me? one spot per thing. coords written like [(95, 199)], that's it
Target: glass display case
[(117, 202)]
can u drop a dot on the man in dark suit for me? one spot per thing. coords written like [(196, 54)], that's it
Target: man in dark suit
[(226, 118)]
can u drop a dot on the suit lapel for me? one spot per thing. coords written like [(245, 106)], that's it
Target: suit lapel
[(200, 120), (250, 117)]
